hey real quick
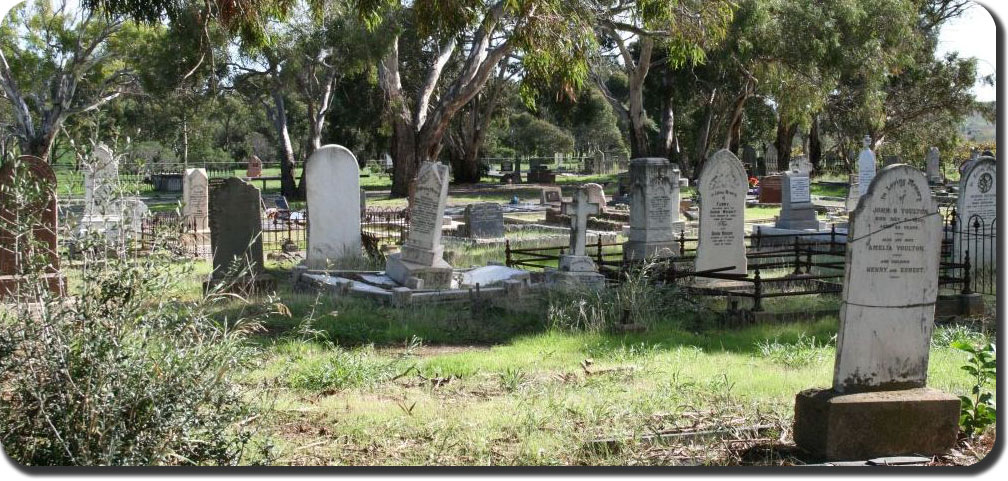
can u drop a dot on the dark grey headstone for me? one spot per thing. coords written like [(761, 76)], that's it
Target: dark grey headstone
[(484, 220), (235, 225)]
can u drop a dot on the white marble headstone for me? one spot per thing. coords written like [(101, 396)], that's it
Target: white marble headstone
[(423, 246), (977, 211), (333, 189), (723, 185), (101, 182), (890, 285), (866, 167)]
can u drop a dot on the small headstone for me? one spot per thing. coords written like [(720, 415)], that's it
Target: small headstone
[(421, 264), (886, 319), (363, 201), (976, 208), (769, 159), (333, 179), (653, 206), (551, 196), (722, 186), (484, 220), (254, 167), (796, 203), (235, 227), (196, 200), (933, 165), (31, 253), (853, 193), (890, 160), (770, 189), (750, 160), (866, 167)]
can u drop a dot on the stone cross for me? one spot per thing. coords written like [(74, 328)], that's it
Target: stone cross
[(579, 210), (101, 178)]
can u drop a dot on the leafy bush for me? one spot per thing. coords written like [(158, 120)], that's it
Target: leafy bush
[(118, 374), (978, 410)]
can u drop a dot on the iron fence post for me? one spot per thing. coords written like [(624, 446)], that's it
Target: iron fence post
[(967, 281), (757, 292), (507, 253)]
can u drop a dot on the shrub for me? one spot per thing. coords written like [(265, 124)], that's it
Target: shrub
[(978, 410), (118, 374)]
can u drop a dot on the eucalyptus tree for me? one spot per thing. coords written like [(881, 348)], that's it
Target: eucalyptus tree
[(55, 63), (550, 37), (629, 31)]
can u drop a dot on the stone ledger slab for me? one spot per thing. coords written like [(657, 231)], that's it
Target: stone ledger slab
[(857, 426)]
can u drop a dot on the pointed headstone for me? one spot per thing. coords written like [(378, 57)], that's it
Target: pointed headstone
[(866, 167), (421, 264)]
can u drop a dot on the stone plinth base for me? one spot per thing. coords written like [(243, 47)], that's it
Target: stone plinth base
[(577, 270), (245, 286), (800, 222), (637, 250), (968, 305), (868, 425), (10, 285), (417, 276)]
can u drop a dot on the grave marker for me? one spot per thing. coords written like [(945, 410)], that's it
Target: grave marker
[(421, 264), (653, 206), (977, 211), (236, 232), (333, 189), (796, 203), (576, 267), (723, 185), (28, 252), (254, 168), (866, 167), (484, 220), (933, 163), (879, 405)]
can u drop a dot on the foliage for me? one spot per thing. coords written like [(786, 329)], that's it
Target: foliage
[(120, 373), (538, 137), (803, 352), (978, 408)]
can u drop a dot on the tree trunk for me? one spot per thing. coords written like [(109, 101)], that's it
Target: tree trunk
[(185, 142), (279, 113), (785, 136), (815, 144), (703, 136), (405, 159), (734, 136)]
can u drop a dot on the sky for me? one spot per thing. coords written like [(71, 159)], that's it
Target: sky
[(974, 35)]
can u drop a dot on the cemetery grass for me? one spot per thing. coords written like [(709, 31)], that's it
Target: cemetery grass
[(354, 383)]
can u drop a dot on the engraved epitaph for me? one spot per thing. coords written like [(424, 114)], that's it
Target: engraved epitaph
[(652, 209), (890, 285), (723, 185)]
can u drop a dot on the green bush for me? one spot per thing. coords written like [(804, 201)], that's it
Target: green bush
[(115, 374), (978, 409)]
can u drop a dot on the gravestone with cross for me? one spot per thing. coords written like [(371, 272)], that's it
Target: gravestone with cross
[(879, 404), (576, 267)]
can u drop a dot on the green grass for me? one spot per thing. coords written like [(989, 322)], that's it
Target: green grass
[(828, 190)]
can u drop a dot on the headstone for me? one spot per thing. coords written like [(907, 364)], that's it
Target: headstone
[(596, 195), (866, 167), (976, 208), (254, 167), (551, 196), (769, 159), (933, 164), (421, 264), (484, 220), (363, 201), (796, 203), (196, 199), (722, 187), (333, 179), (750, 160), (576, 267), (770, 189), (879, 404), (678, 225), (28, 252), (101, 183), (652, 209), (802, 165), (236, 229)]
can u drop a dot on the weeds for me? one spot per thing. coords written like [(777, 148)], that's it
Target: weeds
[(978, 409), (804, 352)]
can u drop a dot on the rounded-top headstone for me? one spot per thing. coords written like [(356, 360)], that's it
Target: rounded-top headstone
[(723, 185), (333, 189)]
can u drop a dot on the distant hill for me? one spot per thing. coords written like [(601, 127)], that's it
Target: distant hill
[(978, 129)]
